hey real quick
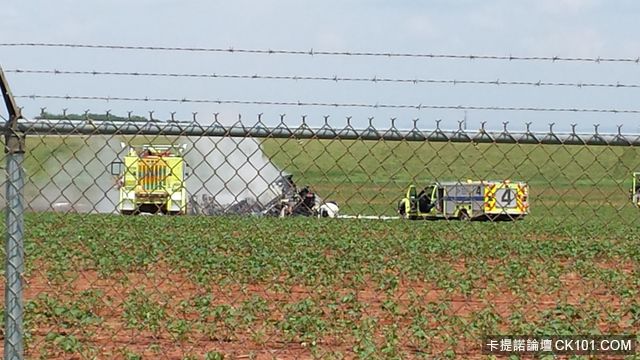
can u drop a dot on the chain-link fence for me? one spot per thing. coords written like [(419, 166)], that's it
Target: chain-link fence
[(334, 242)]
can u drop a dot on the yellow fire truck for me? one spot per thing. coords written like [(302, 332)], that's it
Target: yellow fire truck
[(491, 200), (152, 180)]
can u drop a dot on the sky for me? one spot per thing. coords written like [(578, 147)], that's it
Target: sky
[(565, 28)]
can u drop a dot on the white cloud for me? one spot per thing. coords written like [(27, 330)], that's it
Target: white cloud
[(567, 7), (567, 42), (421, 26), (331, 39)]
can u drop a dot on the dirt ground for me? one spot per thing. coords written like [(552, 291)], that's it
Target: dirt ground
[(115, 338)]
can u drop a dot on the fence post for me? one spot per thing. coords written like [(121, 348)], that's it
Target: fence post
[(14, 241)]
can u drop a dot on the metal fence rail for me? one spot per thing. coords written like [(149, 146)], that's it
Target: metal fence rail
[(326, 132)]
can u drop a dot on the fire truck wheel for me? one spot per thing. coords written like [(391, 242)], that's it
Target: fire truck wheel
[(464, 216)]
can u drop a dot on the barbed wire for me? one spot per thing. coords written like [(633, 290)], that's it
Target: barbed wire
[(312, 52), (326, 104), (334, 78)]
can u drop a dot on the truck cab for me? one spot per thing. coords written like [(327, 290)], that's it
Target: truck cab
[(419, 203)]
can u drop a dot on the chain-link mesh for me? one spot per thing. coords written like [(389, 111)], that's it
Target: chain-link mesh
[(291, 242)]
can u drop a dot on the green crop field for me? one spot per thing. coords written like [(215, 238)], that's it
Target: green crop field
[(108, 286), (580, 182)]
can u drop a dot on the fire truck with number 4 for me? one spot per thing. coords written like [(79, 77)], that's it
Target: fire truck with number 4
[(489, 200)]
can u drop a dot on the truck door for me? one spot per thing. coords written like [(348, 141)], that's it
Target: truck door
[(425, 200), (478, 199), (413, 199), (440, 199)]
